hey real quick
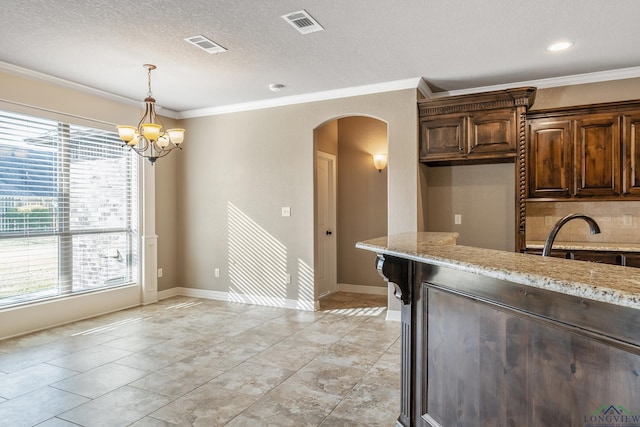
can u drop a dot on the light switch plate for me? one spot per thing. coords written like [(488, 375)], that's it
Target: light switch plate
[(457, 219)]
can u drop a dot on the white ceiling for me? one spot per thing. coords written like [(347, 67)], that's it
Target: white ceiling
[(451, 44)]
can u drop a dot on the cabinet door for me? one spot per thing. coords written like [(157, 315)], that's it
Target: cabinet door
[(604, 257), (631, 155), (443, 138), (549, 158), (597, 156), (632, 259), (493, 132)]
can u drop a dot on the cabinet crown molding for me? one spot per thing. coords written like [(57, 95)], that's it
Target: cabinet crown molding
[(523, 96)]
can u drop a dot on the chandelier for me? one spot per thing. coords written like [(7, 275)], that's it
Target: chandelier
[(149, 139)]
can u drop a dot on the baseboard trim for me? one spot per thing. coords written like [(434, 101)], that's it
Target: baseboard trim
[(242, 298), (394, 315), (362, 289)]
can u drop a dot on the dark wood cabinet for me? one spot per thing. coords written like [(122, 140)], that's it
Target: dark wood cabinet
[(493, 132), (628, 259), (549, 159), (587, 152), (596, 162), (632, 259), (584, 152), (476, 128), (443, 138), (482, 351)]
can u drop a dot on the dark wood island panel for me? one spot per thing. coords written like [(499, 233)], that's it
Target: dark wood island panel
[(484, 351)]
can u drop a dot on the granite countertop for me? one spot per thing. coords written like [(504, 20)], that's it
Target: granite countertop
[(601, 282), (587, 246)]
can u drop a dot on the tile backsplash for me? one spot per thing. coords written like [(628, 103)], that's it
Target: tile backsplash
[(619, 221)]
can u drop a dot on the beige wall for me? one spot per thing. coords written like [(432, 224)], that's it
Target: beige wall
[(326, 137), (588, 93), (362, 198), (241, 168), (484, 195)]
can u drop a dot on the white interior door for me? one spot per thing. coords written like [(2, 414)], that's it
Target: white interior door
[(326, 223)]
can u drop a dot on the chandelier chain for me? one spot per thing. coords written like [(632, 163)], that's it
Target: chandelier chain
[(149, 81)]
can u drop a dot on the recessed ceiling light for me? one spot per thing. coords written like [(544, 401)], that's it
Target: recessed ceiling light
[(555, 47)]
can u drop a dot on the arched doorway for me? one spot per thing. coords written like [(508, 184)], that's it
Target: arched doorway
[(350, 204)]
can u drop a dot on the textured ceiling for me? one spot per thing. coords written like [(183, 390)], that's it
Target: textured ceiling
[(451, 44)]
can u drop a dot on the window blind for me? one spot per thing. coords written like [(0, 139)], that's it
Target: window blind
[(68, 209)]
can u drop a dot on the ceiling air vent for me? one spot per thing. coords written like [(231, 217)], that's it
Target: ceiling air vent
[(205, 44), (303, 22)]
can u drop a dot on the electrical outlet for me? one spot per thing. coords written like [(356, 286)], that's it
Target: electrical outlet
[(457, 219), (288, 278), (159, 272), (216, 272), (627, 220), (286, 211)]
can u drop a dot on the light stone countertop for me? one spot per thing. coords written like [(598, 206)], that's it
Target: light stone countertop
[(587, 246), (601, 282)]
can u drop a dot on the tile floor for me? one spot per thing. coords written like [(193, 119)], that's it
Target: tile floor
[(194, 362)]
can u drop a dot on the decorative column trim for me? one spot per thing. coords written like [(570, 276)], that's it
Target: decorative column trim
[(149, 239)]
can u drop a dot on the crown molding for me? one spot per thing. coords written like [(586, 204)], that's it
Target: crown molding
[(576, 79), (424, 89), (35, 75), (514, 97), (421, 85), (418, 83), (412, 83)]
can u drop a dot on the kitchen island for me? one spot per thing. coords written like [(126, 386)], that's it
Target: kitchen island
[(493, 338)]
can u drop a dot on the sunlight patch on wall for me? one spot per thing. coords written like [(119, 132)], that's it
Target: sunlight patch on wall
[(257, 262), (306, 294)]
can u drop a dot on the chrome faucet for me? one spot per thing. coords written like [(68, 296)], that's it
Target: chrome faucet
[(593, 228)]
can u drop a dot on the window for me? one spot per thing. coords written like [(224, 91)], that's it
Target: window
[(68, 209)]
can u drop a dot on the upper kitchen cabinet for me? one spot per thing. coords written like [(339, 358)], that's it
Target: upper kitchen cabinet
[(584, 152), (597, 156), (478, 128), (549, 157)]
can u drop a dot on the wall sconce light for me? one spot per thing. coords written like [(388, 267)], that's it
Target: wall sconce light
[(380, 161)]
